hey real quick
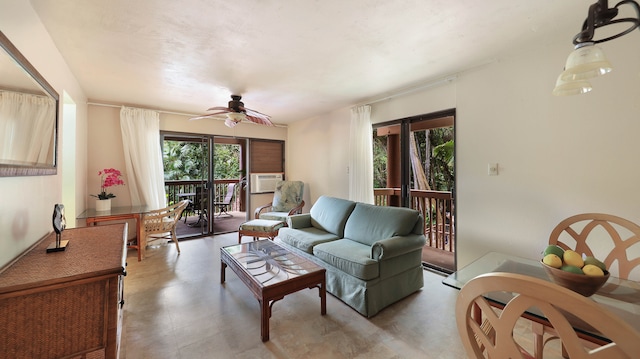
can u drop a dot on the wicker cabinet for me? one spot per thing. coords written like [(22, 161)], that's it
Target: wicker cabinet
[(65, 304)]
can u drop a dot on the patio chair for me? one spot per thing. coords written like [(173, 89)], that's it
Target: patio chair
[(161, 224), (197, 206), (604, 236), (287, 200), (495, 337), (223, 205)]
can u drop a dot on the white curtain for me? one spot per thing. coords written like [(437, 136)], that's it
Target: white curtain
[(21, 140), (143, 156), (361, 155)]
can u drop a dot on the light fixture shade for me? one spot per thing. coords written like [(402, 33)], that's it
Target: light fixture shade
[(571, 87), (233, 118), (586, 61)]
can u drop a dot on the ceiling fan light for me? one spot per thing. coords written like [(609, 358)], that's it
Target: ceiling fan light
[(230, 123), (571, 87), (586, 61), (233, 118)]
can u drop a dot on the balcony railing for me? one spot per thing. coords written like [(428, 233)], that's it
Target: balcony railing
[(436, 208), (176, 191)]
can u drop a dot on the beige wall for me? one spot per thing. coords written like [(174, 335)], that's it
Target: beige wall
[(558, 156), (26, 203), (106, 144)]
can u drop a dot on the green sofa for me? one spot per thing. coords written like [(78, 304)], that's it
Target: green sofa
[(372, 254)]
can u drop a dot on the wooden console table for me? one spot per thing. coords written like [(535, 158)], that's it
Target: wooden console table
[(65, 304)]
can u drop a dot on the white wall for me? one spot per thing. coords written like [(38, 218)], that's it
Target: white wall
[(558, 156), (26, 204)]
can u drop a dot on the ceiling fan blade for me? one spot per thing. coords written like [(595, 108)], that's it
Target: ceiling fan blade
[(219, 108), (254, 112), (259, 120), (209, 115)]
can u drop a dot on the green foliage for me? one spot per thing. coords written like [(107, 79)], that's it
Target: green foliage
[(184, 160), (442, 159), (227, 161), (379, 162), (189, 160), (436, 151)]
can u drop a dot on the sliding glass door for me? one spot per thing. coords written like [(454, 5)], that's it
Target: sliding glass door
[(414, 166), (187, 172)]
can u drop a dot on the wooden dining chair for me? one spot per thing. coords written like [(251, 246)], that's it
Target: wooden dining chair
[(609, 238), (613, 247), (556, 303), (161, 224)]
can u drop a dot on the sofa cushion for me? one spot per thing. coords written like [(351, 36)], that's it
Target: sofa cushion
[(330, 214), (350, 257), (368, 224), (306, 238)]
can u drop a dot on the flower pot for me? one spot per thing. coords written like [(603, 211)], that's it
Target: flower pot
[(103, 205)]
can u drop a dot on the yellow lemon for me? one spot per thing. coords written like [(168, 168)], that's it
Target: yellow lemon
[(572, 258), (552, 260), (592, 270), (596, 262)]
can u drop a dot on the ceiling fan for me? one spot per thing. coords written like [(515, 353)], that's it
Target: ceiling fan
[(235, 112)]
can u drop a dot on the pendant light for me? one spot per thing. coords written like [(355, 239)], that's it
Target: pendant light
[(588, 60)]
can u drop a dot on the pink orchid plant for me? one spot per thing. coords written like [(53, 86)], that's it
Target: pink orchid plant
[(108, 177)]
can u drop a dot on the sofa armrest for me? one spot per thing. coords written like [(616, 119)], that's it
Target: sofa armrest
[(395, 246), (299, 221)]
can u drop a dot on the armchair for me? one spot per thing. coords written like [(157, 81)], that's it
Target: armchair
[(287, 201), (161, 224)]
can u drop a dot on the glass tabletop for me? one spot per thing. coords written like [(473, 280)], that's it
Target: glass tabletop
[(115, 211), (619, 296), (269, 263)]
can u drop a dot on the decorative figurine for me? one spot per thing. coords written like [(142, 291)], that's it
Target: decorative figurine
[(59, 223)]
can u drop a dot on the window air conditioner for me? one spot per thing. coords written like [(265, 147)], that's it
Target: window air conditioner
[(264, 182)]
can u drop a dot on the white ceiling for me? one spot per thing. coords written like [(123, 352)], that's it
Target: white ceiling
[(291, 59)]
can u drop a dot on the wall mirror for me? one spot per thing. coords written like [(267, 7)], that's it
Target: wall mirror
[(28, 117)]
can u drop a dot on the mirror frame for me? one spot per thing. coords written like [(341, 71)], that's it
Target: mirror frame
[(9, 170)]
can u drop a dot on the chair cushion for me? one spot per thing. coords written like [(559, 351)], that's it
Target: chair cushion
[(287, 195), (275, 216), (261, 225), (351, 257)]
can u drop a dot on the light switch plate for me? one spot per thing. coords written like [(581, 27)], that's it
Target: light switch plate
[(493, 169)]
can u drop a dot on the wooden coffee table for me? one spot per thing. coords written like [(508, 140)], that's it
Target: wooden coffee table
[(271, 272)]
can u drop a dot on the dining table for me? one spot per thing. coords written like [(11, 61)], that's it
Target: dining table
[(92, 217), (619, 296)]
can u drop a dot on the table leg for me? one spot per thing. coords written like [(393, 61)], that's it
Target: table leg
[(223, 266), (323, 297), (264, 319), (139, 237)]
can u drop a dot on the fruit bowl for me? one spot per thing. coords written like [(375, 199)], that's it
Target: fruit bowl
[(579, 283)]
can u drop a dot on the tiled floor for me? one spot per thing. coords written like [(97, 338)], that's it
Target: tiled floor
[(175, 307)]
